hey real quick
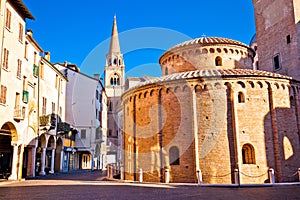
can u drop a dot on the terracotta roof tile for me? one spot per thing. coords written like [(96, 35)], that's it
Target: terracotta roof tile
[(208, 73)]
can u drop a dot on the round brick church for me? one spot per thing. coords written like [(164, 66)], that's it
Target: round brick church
[(211, 112)]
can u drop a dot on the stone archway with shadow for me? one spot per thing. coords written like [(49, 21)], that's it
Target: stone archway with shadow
[(29, 156), (59, 155), (8, 151)]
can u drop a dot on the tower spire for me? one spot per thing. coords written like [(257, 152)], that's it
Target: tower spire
[(114, 41)]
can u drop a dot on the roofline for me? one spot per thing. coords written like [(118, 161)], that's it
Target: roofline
[(80, 73), (187, 44), (19, 5), (53, 67), (32, 40), (186, 77)]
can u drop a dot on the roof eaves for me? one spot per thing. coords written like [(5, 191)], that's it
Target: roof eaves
[(19, 5)]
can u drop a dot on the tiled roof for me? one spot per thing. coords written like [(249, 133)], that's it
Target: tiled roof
[(210, 73), (206, 41), (22, 8)]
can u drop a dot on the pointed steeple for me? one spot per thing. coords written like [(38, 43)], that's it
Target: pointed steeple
[(114, 41)]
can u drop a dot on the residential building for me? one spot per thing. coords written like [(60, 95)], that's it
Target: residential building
[(17, 88), (87, 114)]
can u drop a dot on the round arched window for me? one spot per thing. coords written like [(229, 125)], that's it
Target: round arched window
[(115, 80)]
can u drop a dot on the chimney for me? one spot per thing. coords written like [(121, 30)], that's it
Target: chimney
[(29, 32), (96, 76), (65, 63), (47, 56)]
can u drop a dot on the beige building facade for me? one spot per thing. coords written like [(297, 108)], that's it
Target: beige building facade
[(32, 100)]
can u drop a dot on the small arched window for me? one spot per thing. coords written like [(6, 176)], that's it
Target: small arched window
[(218, 61), (248, 154), (115, 61), (174, 156), (166, 72), (115, 80), (241, 97)]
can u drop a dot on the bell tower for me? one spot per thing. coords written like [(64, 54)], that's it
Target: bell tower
[(115, 68), (114, 75)]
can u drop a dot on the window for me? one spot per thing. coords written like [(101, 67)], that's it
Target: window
[(83, 134), (276, 62), (166, 72), (8, 19), (97, 94), (25, 51), (109, 132), (110, 105), (3, 94), (56, 81), (218, 61), (34, 90), (44, 106), (53, 107), (60, 111), (174, 156), (41, 70), (100, 117), (5, 59), (241, 97), (248, 154), (25, 84), (34, 57), (21, 32), (19, 69), (115, 80), (17, 101), (288, 39), (97, 137)]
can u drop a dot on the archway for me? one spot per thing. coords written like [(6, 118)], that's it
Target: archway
[(29, 155), (8, 139), (40, 159), (58, 155), (50, 155), (97, 157)]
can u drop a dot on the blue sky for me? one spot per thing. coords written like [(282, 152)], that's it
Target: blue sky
[(79, 32)]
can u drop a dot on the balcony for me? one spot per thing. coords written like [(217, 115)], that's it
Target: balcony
[(48, 120), (25, 96), (19, 113), (35, 70)]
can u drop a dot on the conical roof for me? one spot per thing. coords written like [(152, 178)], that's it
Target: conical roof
[(114, 41)]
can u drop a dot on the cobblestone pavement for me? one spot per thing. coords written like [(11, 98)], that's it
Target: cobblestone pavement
[(92, 185)]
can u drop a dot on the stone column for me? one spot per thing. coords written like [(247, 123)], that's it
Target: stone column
[(14, 175), (43, 158), (52, 161)]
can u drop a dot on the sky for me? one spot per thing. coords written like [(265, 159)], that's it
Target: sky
[(79, 31)]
